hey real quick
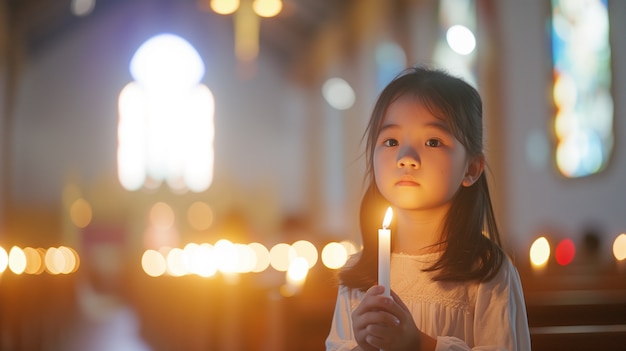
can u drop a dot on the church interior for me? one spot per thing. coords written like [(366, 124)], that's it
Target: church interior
[(221, 223)]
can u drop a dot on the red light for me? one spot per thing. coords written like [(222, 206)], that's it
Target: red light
[(565, 252)]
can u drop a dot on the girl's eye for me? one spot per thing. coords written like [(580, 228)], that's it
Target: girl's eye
[(433, 143), (390, 142)]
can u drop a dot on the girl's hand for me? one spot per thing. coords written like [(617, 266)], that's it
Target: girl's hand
[(380, 322), (405, 335)]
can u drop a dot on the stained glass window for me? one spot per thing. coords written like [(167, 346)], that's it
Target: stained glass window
[(583, 120)]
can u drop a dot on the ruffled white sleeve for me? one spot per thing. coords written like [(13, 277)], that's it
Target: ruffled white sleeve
[(500, 320), (341, 336)]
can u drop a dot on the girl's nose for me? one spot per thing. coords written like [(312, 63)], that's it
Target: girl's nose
[(408, 159)]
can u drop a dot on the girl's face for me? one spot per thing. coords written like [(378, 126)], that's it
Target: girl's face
[(418, 163)]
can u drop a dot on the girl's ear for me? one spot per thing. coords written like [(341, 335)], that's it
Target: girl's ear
[(474, 170)]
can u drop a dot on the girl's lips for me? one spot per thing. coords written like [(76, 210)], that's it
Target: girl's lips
[(407, 183)]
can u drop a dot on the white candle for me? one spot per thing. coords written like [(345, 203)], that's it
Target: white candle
[(384, 253)]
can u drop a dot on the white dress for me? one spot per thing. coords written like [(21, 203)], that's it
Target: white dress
[(461, 316)]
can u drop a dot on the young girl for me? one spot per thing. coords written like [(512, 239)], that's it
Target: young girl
[(452, 286)]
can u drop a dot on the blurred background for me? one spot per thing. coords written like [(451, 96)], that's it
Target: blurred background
[(186, 174)]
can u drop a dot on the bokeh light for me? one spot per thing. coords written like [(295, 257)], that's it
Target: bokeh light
[(298, 269), (17, 260), (81, 213), (34, 261), (226, 256), (540, 252), (262, 257), (82, 8), (224, 7), (267, 8), (161, 216), (206, 260), (461, 39), (307, 250), (153, 263), (4, 259), (334, 255), (176, 265), (338, 93), (200, 215), (246, 258), (279, 256), (619, 247), (55, 261), (565, 252)]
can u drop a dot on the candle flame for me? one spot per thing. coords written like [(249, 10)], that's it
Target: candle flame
[(387, 219)]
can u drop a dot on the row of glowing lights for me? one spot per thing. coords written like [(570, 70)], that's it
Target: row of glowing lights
[(29, 260), (207, 260), (565, 251), (200, 259)]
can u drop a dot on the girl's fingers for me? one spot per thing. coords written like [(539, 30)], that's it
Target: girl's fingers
[(372, 321), (399, 301)]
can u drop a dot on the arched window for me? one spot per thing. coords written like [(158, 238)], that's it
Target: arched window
[(583, 120), (166, 119)]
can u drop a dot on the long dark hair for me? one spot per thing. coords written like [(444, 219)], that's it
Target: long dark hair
[(470, 240)]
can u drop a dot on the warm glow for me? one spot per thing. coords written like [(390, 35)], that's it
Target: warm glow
[(4, 259), (350, 247), (34, 262), (334, 255), (246, 258), (81, 213), (262, 257), (298, 270), (540, 252), (565, 252), (226, 255), (388, 217), (307, 250), (153, 263), (206, 260), (161, 230), (55, 261), (279, 256), (267, 8), (176, 265), (296, 276), (224, 7), (619, 248), (564, 93), (190, 258), (161, 216), (200, 215), (247, 27), (17, 260), (71, 260)]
